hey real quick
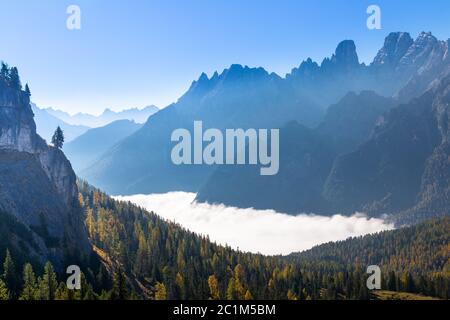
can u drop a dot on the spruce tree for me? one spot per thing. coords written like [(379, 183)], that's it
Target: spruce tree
[(27, 90), (58, 138), (4, 293), (29, 291), (119, 290), (9, 273), (14, 79), (48, 284), (4, 72)]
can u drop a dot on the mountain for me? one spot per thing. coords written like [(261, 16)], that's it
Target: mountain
[(306, 158), (234, 98), (382, 151), (402, 255), (403, 168), (38, 191), (85, 149), (46, 125), (108, 116), (240, 97), (305, 161), (350, 122)]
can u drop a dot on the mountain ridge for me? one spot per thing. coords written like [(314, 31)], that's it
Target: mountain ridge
[(107, 116)]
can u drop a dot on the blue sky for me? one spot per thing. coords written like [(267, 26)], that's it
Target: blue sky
[(138, 52)]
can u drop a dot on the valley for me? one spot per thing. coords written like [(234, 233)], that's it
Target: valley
[(361, 178)]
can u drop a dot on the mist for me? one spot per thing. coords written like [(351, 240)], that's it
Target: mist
[(258, 231)]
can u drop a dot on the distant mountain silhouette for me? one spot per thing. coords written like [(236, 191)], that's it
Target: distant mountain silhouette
[(403, 168), (108, 116), (306, 158), (85, 149), (359, 156), (240, 97), (47, 123)]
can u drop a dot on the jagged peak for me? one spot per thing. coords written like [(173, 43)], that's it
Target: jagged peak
[(396, 44), (233, 73), (346, 53)]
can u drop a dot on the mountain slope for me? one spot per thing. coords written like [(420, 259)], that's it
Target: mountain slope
[(142, 162), (403, 166), (305, 161), (350, 122), (37, 184), (85, 149), (306, 158), (403, 255), (417, 255)]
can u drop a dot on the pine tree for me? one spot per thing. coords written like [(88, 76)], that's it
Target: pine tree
[(214, 291), (58, 138), (4, 72), (29, 291), (248, 296), (181, 290), (48, 284), (119, 290), (27, 90), (231, 291), (9, 273), (63, 293), (161, 291), (238, 286), (4, 293), (392, 282), (14, 79)]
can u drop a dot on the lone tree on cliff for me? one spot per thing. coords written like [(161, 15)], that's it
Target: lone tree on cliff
[(58, 138), (27, 90)]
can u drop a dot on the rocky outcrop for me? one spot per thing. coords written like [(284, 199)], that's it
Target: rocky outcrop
[(395, 47), (37, 183)]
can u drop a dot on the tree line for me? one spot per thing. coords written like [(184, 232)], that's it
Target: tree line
[(11, 77)]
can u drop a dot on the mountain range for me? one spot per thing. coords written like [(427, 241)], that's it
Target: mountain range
[(393, 158), (47, 124), (386, 153), (108, 116), (328, 114), (86, 148)]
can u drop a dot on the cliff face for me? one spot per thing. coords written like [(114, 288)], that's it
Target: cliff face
[(37, 183)]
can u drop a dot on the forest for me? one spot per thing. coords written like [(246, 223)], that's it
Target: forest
[(138, 255)]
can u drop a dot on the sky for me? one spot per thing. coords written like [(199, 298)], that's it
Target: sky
[(139, 52)]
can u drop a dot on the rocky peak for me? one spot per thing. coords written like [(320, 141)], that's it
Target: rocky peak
[(422, 49), (234, 74), (346, 54), (395, 46), (36, 180), (307, 68), (345, 57)]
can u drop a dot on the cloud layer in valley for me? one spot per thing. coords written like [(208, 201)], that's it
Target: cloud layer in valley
[(263, 231)]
